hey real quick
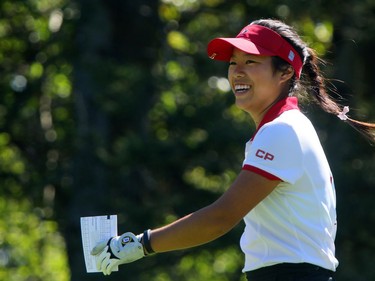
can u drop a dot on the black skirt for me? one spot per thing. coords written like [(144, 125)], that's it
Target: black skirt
[(291, 272)]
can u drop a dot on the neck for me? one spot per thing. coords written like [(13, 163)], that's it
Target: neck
[(259, 116)]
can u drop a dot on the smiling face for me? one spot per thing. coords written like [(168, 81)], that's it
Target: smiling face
[(255, 83)]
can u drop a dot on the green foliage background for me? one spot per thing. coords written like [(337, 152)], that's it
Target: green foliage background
[(113, 107)]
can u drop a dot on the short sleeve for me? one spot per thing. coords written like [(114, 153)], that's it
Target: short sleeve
[(275, 151)]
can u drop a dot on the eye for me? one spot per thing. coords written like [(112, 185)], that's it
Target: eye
[(232, 63), (250, 61)]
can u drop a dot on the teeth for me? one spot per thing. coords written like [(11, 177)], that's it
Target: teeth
[(241, 87)]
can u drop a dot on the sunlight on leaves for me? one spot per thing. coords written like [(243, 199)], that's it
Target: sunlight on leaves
[(36, 70), (174, 70), (10, 157), (220, 83), (196, 137), (317, 35), (168, 100), (324, 32), (40, 256), (183, 5), (201, 179), (224, 262), (178, 41), (169, 13), (62, 85)]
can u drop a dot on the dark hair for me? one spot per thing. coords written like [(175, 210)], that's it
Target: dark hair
[(311, 83)]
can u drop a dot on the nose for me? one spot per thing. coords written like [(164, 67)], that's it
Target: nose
[(238, 72)]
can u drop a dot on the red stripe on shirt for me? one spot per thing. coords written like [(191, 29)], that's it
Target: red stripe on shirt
[(260, 172)]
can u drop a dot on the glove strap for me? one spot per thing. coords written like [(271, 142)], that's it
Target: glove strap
[(112, 255), (146, 242)]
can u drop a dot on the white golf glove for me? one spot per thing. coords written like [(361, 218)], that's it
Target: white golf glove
[(117, 250)]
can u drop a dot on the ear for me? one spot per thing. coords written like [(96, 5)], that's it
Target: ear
[(287, 74)]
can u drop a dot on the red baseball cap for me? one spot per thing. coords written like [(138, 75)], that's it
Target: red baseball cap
[(256, 40)]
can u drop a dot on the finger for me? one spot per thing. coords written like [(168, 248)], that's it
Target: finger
[(102, 259), (104, 266), (107, 270), (98, 248), (110, 268)]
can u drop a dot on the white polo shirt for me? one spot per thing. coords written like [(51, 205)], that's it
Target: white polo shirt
[(296, 223)]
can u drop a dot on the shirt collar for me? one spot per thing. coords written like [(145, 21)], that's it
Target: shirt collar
[(276, 110)]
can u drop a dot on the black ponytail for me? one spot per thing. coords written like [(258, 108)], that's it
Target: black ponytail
[(312, 82)]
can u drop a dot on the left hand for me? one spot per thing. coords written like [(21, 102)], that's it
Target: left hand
[(117, 250)]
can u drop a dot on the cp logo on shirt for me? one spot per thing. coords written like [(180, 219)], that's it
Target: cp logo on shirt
[(264, 155)]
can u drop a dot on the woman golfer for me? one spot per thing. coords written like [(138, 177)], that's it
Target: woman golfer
[(285, 191)]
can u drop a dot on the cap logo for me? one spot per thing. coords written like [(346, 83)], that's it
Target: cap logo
[(291, 55)]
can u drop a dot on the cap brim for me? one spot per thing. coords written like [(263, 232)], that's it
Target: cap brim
[(222, 48)]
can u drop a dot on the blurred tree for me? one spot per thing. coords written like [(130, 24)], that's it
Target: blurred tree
[(34, 81)]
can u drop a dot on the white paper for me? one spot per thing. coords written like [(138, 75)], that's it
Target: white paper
[(94, 230)]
